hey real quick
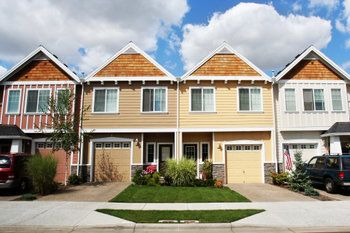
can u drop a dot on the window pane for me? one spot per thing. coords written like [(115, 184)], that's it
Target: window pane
[(205, 152), (150, 153), (208, 100), (147, 98), (308, 100), (196, 99), (290, 99), (319, 99), (13, 101), (190, 151), (336, 100), (111, 105), (99, 104), (32, 101), (44, 98), (159, 100), (255, 99), (244, 99), (62, 96)]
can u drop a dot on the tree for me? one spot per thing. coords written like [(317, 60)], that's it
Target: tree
[(65, 124)]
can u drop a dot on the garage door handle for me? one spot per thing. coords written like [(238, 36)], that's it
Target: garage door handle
[(243, 171)]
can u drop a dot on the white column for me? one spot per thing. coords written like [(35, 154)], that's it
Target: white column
[(180, 146), (335, 145), (16, 146)]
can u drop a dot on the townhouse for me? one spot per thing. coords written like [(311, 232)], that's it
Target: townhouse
[(312, 95), (25, 92)]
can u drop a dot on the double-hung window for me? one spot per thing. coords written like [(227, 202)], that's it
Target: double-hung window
[(154, 99), (290, 99), (313, 100), (202, 99), (250, 99), (106, 100), (38, 101), (336, 100), (13, 101)]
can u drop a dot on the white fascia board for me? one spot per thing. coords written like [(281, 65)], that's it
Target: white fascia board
[(112, 139), (224, 45), (291, 81), (320, 128), (335, 134), (31, 55), (300, 141), (328, 61), (130, 45), (37, 131), (129, 130), (15, 137), (131, 78), (228, 78), (9, 83), (237, 129)]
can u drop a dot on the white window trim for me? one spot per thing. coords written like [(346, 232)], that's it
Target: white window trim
[(93, 100), (26, 101), (295, 101), (191, 144), (19, 101), (314, 102), (155, 153), (202, 87), (153, 88), (261, 100), (341, 100), (200, 153)]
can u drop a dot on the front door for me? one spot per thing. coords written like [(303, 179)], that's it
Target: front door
[(165, 152)]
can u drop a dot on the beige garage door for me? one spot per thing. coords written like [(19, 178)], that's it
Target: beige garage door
[(112, 161), (243, 164)]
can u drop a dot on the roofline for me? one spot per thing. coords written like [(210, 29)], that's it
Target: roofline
[(321, 55), (31, 55), (228, 47), (335, 134), (137, 49)]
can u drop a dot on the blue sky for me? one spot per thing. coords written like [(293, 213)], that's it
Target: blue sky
[(177, 33)]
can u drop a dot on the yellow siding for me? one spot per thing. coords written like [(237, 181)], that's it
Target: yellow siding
[(221, 138), (226, 114), (130, 115)]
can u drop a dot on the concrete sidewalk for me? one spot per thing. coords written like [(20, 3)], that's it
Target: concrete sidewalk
[(83, 214)]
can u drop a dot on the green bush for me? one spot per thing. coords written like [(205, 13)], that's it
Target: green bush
[(74, 179), (279, 178), (204, 183), (182, 173), (207, 170), (142, 178), (42, 171), (138, 178), (28, 197)]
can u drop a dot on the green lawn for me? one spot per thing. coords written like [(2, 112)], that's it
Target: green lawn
[(203, 216), (168, 194)]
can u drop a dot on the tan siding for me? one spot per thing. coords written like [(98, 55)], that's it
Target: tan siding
[(311, 70), (225, 65), (130, 65), (129, 115), (226, 114)]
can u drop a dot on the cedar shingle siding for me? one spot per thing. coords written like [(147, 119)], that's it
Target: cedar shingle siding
[(130, 65)]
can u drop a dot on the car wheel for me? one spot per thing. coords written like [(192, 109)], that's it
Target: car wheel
[(329, 185)]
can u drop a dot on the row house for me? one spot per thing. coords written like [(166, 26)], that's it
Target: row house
[(26, 90)]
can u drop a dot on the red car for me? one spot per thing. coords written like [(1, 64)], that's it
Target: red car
[(13, 171)]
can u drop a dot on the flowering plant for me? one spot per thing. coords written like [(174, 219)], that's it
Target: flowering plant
[(150, 169)]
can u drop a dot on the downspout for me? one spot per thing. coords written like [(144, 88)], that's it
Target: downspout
[(275, 134), (81, 134), (177, 119)]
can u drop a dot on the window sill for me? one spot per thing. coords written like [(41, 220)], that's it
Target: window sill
[(13, 114), (250, 111), (35, 114), (105, 113), (315, 111), (202, 112), (291, 112), (338, 111), (154, 113)]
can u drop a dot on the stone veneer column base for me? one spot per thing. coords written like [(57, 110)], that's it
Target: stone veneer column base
[(219, 171), (134, 168), (268, 168)]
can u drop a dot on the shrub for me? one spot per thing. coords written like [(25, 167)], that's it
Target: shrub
[(182, 173), (219, 184), (28, 197), (279, 178), (74, 179), (138, 178), (207, 170), (42, 171), (204, 183), (149, 176)]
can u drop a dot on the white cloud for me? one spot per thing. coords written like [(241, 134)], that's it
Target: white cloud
[(343, 22), (257, 31), (329, 4), (101, 27), (2, 70), (346, 65), (296, 7)]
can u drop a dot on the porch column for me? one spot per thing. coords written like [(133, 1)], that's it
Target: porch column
[(335, 145), (16, 146), (179, 146)]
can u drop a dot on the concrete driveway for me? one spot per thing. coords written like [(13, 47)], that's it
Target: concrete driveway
[(267, 193), (88, 192), (340, 195)]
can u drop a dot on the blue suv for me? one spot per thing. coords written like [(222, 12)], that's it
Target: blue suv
[(332, 171)]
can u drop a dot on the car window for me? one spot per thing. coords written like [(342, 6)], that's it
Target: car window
[(5, 162), (312, 162), (332, 163), (320, 162), (346, 163)]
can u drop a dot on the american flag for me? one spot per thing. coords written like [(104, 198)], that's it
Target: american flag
[(288, 160)]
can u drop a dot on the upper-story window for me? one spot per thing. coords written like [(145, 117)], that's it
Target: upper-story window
[(61, 100), (336, 100), (154, 99), (13, 101), (250, 99), (313, 100), (202, 99), (38, 101), (105, 100), (290, 99)]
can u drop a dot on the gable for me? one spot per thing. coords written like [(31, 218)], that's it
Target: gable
[(225, 64), (130, 65), (311, 69)]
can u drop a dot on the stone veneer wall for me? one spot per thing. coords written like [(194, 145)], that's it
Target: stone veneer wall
[(134, 168), (219, 171), (268, 168)]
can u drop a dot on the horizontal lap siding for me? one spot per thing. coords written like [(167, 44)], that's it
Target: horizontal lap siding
[(226, 114), (129, 115)]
